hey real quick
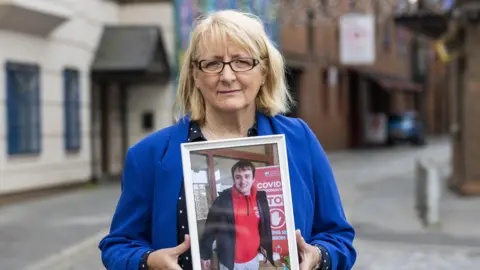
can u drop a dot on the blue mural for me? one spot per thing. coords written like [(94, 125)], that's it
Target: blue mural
[(186, 11)]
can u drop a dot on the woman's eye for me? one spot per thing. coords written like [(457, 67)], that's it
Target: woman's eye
[(242, 62), (212, 64)]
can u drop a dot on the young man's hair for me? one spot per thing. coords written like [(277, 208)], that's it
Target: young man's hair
[(243, 165)]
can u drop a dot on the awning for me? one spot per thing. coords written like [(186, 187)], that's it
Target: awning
[(131, 53), (389, 82), (38, 18), (430, 24)]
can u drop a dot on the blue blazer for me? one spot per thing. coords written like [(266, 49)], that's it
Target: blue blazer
[(145, 217)]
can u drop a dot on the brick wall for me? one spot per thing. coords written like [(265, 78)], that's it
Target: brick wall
[(332, 126)]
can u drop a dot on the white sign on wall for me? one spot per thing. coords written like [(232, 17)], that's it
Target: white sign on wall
[(357, 39)]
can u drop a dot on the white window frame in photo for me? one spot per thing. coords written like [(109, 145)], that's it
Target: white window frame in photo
[(279, 141)]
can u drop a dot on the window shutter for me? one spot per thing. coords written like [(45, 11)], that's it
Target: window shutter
[(37, 113), (72, 108), (13, 134), (78, 118), (66, 106)]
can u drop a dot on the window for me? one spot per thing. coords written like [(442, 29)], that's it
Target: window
[(422, 57), (72, 110), (293, 76), (341, 93), (401, 41), (324, 7), (325, 92), (352, 4), (386, 41), (147, 121), (23, 108)]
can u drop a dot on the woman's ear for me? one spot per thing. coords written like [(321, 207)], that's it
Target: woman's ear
[(264, 74), (195, 76)]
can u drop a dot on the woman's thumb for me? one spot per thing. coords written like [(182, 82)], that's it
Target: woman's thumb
[(300, 241), (183, 247)]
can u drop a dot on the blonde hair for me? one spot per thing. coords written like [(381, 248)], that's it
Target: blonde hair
[(247, 31)]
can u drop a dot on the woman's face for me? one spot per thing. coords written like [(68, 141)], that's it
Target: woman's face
[(228, 90)]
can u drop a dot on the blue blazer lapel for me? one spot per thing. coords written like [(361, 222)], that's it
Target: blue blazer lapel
[(173, 159), (264, 124)]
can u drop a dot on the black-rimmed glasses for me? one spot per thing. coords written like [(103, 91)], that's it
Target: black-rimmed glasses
[(217, 66)]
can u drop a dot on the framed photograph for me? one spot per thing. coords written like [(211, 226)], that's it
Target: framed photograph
[(239, 204)]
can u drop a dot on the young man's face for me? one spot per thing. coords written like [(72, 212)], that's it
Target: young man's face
[(243, 180)]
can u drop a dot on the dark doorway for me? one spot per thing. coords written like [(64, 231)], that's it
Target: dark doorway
[(459, 166), (354, 115), (293, 77), (379, 99), (104, 129), (113, 123)]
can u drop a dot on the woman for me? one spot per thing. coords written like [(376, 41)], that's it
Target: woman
[(231, 85)]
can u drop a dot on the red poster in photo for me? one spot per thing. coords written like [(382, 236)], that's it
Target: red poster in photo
[(269, 180)]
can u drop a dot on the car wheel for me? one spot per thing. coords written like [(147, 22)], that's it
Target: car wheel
[(418, 140), (390, 142)]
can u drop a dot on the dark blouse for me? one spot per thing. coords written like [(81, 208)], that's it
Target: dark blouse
[(184, 260)]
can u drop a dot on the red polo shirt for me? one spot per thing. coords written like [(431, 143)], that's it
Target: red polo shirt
[(247, 220)]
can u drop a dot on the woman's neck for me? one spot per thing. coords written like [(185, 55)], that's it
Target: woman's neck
[(221, 125)]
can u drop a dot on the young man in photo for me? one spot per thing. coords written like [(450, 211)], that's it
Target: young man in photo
[(239, 222)]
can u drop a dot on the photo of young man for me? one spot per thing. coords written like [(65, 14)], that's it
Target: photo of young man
[(239, 223)]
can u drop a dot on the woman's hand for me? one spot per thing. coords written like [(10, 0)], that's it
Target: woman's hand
[(167, 258), (308, 253)]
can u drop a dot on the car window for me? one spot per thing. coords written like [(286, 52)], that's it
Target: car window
[(395, 117)]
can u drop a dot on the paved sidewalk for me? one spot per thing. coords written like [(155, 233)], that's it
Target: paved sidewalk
[(372, 255), (358, 171), (375, 255), (62, 232), (34, 232), (80, 256), (379, 197)]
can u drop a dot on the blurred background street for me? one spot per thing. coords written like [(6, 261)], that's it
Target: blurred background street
[(379, 202), (390, 88)]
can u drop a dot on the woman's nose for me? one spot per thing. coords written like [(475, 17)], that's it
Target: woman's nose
[(228, 74)]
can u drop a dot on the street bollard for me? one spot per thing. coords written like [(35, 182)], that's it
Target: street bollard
[(428, 192)]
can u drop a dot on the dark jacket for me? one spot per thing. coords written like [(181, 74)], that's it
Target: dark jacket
[(220, 226), (146, 213)]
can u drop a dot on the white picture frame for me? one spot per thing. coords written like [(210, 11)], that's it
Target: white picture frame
[(284, 231)]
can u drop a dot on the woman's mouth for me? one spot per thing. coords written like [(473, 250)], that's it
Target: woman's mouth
[(228, 91)]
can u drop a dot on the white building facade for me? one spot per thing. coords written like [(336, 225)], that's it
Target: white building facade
[(60, 126)]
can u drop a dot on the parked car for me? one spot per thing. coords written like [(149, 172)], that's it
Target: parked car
[(405, 127)]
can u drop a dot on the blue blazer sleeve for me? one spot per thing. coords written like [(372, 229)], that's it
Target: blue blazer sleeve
[(330, 227), (130, 230)]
